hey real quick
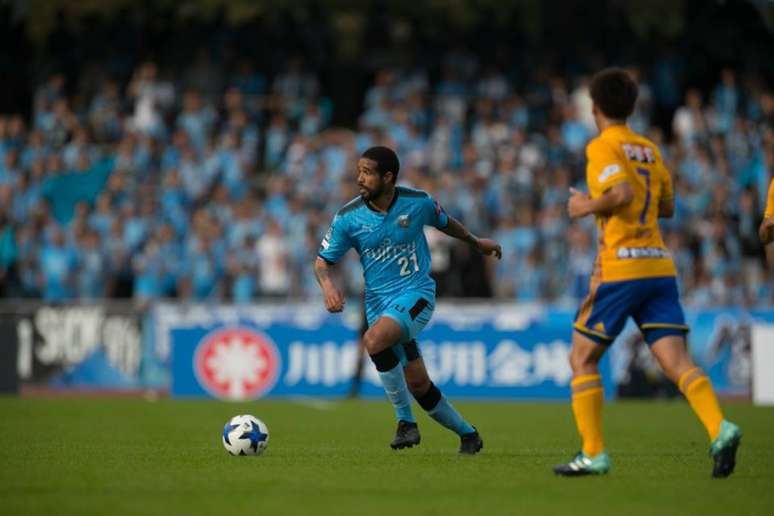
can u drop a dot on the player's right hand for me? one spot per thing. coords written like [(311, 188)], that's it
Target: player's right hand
[(334, 300), (577, 204), (490, 247)]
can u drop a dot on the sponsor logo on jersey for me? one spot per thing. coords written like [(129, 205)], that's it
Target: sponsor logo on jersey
[(639, 153), (609, 171), (404, 221), (387, 251), (325, 244), (625, 253)]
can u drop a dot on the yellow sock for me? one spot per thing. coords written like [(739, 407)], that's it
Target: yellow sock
[(587, 396), (697, 389)]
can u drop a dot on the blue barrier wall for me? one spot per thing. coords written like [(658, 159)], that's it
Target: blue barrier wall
[(300, 350), (480, 351), (476, 351)]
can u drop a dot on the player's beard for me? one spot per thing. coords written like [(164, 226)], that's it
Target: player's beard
[(369, 194)]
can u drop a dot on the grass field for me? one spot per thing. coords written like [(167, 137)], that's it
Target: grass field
[(129, 456)]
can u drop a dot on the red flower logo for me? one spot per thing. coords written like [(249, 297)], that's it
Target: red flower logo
[(236, 364)]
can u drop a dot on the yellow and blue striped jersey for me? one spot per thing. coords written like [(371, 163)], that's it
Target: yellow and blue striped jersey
[(630, 243)]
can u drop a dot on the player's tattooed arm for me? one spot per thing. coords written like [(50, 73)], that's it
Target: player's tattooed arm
[(581, 204), (334, 300), (484, 245)]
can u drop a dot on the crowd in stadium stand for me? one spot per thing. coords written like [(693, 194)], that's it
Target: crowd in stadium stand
[(219, 186)]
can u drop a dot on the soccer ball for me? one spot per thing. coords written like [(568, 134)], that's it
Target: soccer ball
[(245, 435)]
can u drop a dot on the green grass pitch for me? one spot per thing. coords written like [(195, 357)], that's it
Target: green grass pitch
[(130, 456)]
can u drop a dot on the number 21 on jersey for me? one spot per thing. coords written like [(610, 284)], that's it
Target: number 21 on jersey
[(405, 266)]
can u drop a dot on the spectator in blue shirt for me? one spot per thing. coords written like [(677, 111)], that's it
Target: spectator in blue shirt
[(92, 267), (58, 264)]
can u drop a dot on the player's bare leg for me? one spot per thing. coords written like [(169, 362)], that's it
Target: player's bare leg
[(417, 378), (674, 358), (379, 340), (438, 407), (587, 398), (384, 334)]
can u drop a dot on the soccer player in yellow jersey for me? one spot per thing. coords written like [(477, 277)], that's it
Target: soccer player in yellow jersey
[(629, 190)]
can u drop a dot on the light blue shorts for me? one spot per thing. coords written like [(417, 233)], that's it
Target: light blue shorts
[(412, 311)]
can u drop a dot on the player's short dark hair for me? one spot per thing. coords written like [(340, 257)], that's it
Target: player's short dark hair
[(614, 92), (385, 158)]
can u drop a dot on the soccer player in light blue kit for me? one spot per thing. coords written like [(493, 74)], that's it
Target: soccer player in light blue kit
[(385, 225)]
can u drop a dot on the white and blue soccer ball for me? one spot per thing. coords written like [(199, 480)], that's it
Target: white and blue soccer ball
[(245, 435)]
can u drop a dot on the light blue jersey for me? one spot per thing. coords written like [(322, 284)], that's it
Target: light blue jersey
[(392, 246)]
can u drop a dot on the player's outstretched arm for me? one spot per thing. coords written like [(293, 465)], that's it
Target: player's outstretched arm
[(484, 245), (334, 300), (581, 204)]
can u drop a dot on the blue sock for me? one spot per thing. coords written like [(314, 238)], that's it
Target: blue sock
[(448, 416), (439, 408), (394, 382)]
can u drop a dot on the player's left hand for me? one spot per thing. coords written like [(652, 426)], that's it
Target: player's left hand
[(577, 205), (490, 247), (766, 231)]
